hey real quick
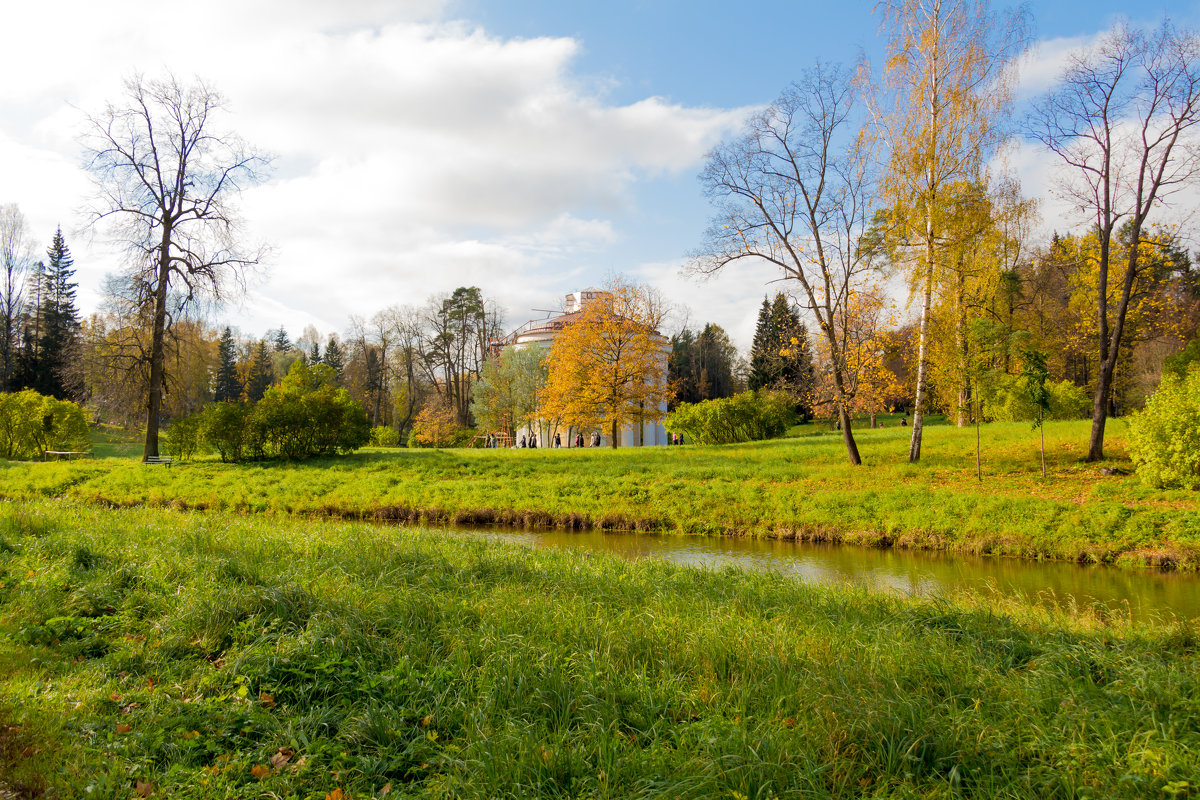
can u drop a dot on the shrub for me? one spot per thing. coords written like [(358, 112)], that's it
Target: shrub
[(1164, 438), (749, 416), (434, 426), (1007, 399), (31, 423), (185, 437), (225, 428), (384, 436)]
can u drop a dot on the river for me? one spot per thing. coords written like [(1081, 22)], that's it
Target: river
[(1145, 594)]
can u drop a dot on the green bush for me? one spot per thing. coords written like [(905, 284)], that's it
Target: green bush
[(226, 428), (1006, 399), (31, 423), (384, 436), (185, 437), (745, 417), (1164, 439)]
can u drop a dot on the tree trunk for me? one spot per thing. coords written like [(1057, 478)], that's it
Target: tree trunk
[(918, 424), (157, 347), (848, 436), (614, 434)]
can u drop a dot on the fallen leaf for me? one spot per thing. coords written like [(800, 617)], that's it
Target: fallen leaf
[(281, 758), (267, 700), (260, 771), (386, 790), (336, 794), (123, 728), (144, 788)]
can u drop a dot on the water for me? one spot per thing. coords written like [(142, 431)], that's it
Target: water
[(1142, 594)]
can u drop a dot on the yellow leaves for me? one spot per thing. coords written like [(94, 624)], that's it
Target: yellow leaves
[(267, 700), (260, 771), (123, 728), (337, 794)]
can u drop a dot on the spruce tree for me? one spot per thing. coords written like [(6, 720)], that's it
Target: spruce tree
[(282, 342), (262, 373), (59, 321), (314, 354), (227, 387), (334, 359), (760, 350)]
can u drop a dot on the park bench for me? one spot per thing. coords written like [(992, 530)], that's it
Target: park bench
[(67, 454), (166, 460)]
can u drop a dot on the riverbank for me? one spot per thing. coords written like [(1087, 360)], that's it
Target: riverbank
[(201, 655), (797, 488)]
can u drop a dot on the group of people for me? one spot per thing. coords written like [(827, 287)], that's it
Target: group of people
[(530, 440)]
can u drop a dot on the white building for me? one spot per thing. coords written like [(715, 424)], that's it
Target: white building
[(541, 333)]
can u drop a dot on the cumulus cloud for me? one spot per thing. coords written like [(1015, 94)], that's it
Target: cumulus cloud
[(413, 153)]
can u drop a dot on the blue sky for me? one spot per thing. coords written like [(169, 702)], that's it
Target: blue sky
[(526, 146)]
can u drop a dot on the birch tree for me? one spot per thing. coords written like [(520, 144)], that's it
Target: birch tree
[(15, 255), (166, 181), (945, 89), (1122, 123)]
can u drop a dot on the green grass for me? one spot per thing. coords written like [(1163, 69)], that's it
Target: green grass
[(800, 487), (217, 655)]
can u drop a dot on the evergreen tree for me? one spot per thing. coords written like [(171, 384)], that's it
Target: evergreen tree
[(228, 387), (333, 357), (680, 368), (760, 350), (282, 342), (314, 354), (262, 373), (57, 321)]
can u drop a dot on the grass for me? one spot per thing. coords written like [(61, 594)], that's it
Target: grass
[(799, 487), (215, 655)]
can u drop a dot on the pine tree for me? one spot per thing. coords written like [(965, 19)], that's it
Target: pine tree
[(282, 342), (228, 387), (262, 374), (314, 354), (334, 359)]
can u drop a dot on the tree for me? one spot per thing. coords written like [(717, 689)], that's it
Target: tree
[(227, 387), (949, 86), (1121, 120), (506, 395), (781, 354), (793, 191), (14, 261), (166, 182), (262, 373), (281, 341), (58, 322), (608, 363), (1036, 375), (333, 357)]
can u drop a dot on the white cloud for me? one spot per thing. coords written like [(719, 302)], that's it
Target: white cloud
[(414, 154)]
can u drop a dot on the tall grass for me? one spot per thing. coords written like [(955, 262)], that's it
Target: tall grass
[(227, 656), (792, 488)]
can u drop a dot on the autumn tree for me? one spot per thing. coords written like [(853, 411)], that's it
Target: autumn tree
[(507, 393), (781, 354), (608, 364), (945, 89), (1121, 122), (793, 190), (166, 181)]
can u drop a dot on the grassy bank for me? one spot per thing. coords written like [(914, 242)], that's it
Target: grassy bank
[(792, 488), (211, 655)]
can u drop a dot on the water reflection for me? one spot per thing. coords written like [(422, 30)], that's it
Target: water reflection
[(1142, 594)]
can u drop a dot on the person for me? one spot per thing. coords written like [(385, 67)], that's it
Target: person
[(533, 440), (557, 440), (522, 444), (903, 421), (579, 440)]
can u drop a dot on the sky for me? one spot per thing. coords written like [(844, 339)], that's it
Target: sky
[(528, 147)]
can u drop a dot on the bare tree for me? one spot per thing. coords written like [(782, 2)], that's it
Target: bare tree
[(15, 255), (793, 191), (1121, 121), (166, 182)]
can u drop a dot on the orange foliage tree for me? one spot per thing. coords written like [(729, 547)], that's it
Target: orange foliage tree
[(608, 365)]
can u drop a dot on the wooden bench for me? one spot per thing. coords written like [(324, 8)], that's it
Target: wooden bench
[(165, 460), (68, 454)]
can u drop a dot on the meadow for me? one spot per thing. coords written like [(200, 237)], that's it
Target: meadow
[(166, 653), (794, 488)]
